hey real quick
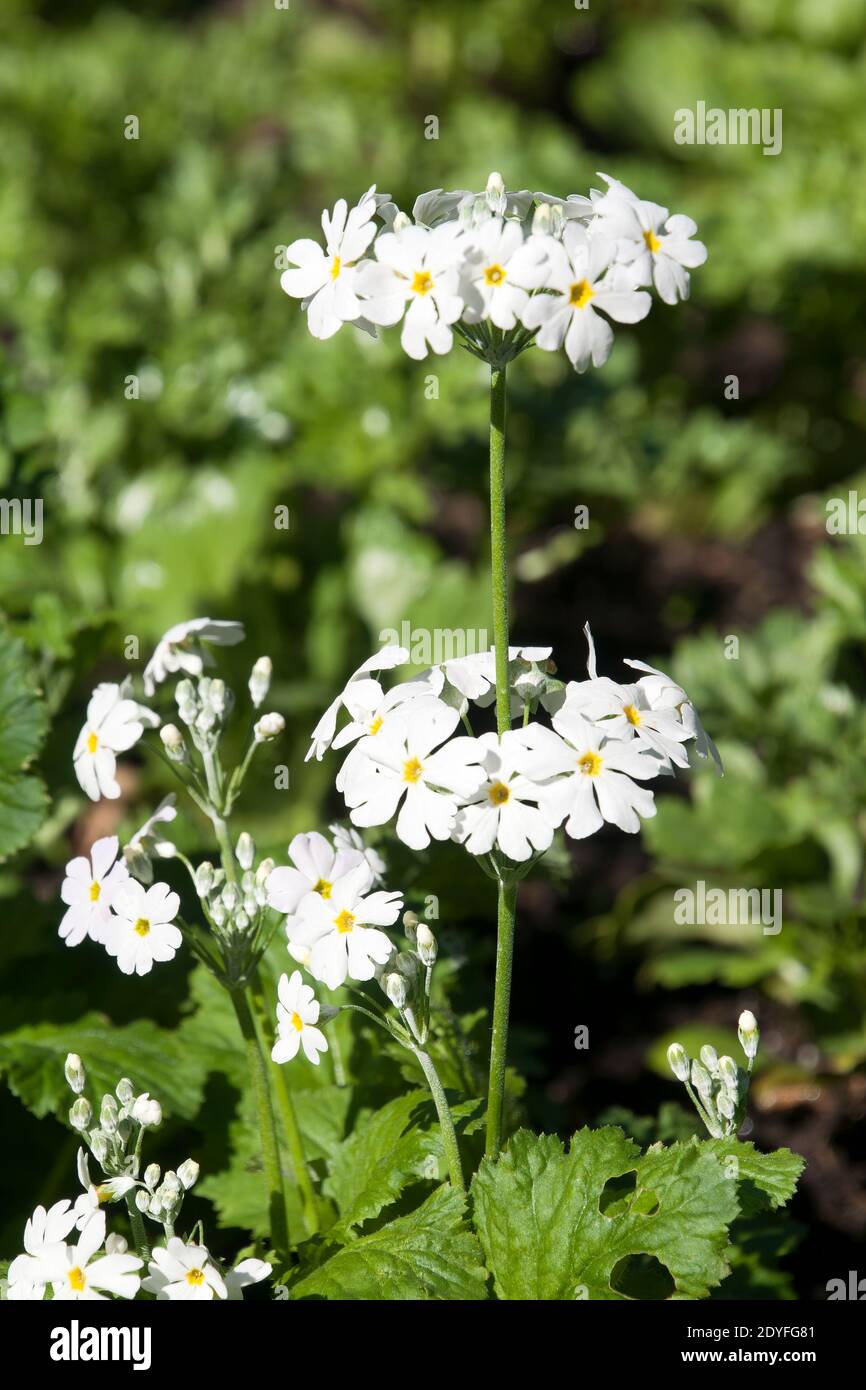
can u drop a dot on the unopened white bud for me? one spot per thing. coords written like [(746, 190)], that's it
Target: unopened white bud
[(115, 1244), (269, 726), (125, 1091), (401, 221), (165, 849), (151, 1175), (678, 1061), (245, 850), (98, 1141), (749, 1033), (81, 1114), (729, 1072), (171, 1189), (495, 186), (142, 1201), (172, 742), (230, 897), (76, 1076), (108, 1114), (426, 944), (188, 1173), (542, 220), (701, 1080), (218, 913), (260, 680), (725, 1105), (204, 877), (147, 1112), (410, 924), (710, 1059), (395, 988)]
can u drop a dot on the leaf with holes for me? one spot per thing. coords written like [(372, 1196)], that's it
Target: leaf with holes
[(550, 1231)]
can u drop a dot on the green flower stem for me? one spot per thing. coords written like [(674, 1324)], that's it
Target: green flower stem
[(446, 1124), (498, 546), (267, 1129), (505, 920), (291, 1129), (507, 893), (139, 1235)]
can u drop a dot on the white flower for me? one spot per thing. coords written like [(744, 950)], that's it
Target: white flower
[(346, 838), (246, 1273), (183, 1272), (500, 271), (597, 783), (142, 931), (137, 852), (417, 271), (88, 890), (316, 864), (180, 649), (114, 723), (625, 712), (500, 813), (579, 287), (341, 930), (323, 734), (408, 766), (327, 280), (297, 1014), (44, 1234), (663, 693), (147, 1112), (374, 713), (75, 1275), (656, 246)]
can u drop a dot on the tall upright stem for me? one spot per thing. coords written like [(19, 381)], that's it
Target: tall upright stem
[(507, 892), (446, 1124), (267, 1129)]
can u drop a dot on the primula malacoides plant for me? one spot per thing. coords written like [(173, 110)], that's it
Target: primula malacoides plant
[(498, 752)]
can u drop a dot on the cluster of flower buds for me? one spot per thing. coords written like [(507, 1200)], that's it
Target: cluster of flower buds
[(406, 977), (161, 1196), (717, 1087), (204, 708), (122, 1117), (235, 907)]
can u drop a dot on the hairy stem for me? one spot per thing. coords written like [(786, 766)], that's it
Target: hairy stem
[(139, 1235), (267, 1129), (505, 919), (446, 1124)]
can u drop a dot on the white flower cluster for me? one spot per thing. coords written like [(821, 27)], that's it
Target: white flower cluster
[(716, 1086), (97, 1264), (135, 924), (500, 269)]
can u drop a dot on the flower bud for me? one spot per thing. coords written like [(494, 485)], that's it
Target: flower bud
[(245, 850), (108, 1115), (725, 1105), (426, 944), (165, 849), (147, 1112), (410, 924), (204, 878), (98, 1141), (188, 1173), (749, 1033), (729, 1073), (76, 1076), (395, 988), (151, 1175), (125, 1091), (401, 221), (170, 1190), (115, 1244), (701, 1080), (710, 1059), (542, 220), (230, 897), (219, 697), (678, 1061), (495, 190), (270, 726), (260, 680), (172, 742), (81, 1114), (142, 1201), (218, 913)]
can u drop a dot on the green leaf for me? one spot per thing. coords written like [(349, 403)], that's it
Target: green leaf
[(154, 1059), (379, 1159), (770, 1180), (23, 722), (430, 1254), (538, 1213)]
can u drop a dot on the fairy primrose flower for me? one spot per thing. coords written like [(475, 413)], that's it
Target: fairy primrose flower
[(624, 712), (576, 288), (315, 866), (663, 693), (185, 1273), (409, 770), (500, 271), (342, 929), (297, 1015), (44, 1234), (591, 776), (89, 889), (136, 854), (416, 273), (326, 281), (323, 734), (114, 724), (142, 929), (500, 812), (180, 649), (75, 1274), (657, 247)]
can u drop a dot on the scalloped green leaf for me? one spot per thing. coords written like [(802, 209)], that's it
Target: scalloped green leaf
[(23, 724)]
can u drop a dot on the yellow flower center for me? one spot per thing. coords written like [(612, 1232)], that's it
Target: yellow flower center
[(194, 1277), (590, 764), (412, 770), (142, 927), (631, 715), (297, 1022), (422, 282), (344, 922), (652, 241), (335, 267), (323, 888), (92, 743), (493, 275), (94, 891), (580, 294), (77, 1279), (103, 1192), (498, 793), (376, 724)]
